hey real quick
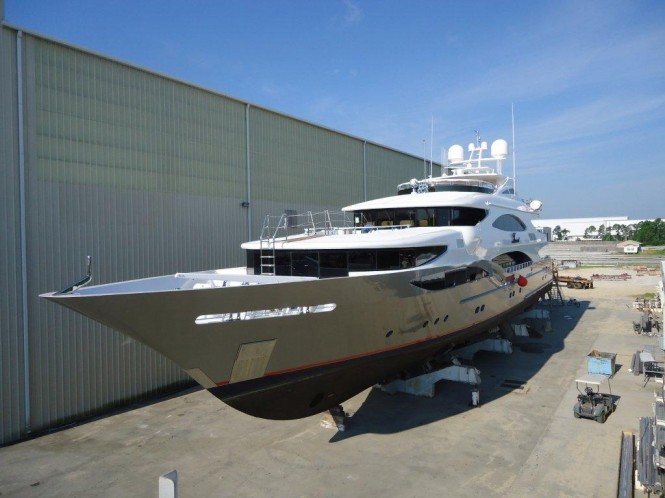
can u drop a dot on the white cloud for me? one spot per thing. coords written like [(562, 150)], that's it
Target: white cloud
[(353, 13), (594, 119)]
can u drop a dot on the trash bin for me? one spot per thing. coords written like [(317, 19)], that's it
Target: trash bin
[(601, 363)]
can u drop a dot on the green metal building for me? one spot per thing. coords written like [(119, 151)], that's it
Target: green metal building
[(149, 176)]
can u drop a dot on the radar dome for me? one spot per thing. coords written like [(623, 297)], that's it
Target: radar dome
[(536, 205), (455, 154), (499, 149)]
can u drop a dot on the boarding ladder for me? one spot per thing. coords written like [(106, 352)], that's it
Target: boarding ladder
[(267, 246), (555, 292), (312, 224)]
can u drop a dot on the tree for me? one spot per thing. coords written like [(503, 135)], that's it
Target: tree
[(588, 233), (601, 232), (557, 232), (624, 232), (564, 233), (616, 228), (651, 233), (630, 231)]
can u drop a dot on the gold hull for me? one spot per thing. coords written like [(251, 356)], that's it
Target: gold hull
[(339, 336)]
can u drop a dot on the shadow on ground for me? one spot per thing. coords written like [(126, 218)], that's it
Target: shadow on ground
[(383, 413)]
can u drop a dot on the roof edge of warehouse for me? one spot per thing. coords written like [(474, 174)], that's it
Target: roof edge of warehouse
[(5, 24)]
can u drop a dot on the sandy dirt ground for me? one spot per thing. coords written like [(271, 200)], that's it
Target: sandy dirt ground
[(636, 286)]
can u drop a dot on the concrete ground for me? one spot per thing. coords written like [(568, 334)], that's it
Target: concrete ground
[(525, 444)]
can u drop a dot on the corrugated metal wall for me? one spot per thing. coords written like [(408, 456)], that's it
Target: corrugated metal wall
[(387, 168), (147, 175), (297, 166), (138, 172), (12, 415)]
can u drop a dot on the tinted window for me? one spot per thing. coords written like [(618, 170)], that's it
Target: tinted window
[(333, 264), (282, 262), (425, 254), (466, 217), (253, 262), (387, 259), (422, 216), (407, 258), (363, 260), (326, 264), (509, 223), (305, 264)]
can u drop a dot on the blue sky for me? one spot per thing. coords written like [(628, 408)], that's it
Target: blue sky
[(587, 78)]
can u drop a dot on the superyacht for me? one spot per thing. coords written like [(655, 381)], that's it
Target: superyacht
[(330, 304)]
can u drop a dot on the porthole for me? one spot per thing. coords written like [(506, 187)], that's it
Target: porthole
[(477, 309), (445, 318), (389, 333), (436, 321), (482, 308), (426, 323)]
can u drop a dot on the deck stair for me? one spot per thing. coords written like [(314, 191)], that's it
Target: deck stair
[(555, 293)]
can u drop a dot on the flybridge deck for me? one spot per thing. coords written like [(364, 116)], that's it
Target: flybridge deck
[(475, 174)]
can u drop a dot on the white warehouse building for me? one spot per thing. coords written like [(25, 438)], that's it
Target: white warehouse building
[(576, 227)]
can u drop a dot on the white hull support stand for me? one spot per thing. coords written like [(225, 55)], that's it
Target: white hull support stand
[(424, 385)]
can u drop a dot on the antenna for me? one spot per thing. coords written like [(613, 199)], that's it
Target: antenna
[(424, 161), (431, 150), (512, 113)]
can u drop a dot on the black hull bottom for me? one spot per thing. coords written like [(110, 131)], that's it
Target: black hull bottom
[(308, 392)]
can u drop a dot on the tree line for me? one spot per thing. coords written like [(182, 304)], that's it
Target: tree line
[(650, 233)]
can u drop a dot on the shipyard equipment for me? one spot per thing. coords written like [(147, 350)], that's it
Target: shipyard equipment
[(591, 403), (575, 282)]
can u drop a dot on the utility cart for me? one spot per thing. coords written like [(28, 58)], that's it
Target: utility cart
[(591, 403)]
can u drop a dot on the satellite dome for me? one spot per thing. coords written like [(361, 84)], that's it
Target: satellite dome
[(499, 149), (536, 205), (455, 154)]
